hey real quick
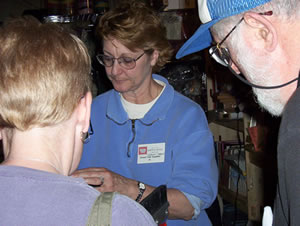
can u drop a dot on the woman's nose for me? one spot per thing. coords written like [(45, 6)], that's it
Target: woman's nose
[(116, 68)]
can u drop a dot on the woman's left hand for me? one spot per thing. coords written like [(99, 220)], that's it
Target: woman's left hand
[(105, 180)]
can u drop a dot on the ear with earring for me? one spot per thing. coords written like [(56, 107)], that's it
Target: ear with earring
[(85, 137)]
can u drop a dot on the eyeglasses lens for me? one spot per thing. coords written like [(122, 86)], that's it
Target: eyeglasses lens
[(221, 55), (108, 61), (127, 62)]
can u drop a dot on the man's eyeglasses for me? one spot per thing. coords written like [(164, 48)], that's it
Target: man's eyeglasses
[(125, 62), (221, 54)]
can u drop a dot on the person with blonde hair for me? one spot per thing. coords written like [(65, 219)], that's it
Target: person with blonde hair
[(44, 119), (153, 135)]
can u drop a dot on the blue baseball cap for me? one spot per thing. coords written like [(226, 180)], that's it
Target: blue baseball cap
[(211, 12)]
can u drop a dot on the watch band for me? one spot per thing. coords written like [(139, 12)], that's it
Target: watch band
[(142, 189)]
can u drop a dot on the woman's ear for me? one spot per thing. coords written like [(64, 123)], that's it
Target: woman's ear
[(154, 57), (84, 109), (264, 30)]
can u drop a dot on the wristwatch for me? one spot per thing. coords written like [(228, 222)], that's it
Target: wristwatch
[(142, 188)]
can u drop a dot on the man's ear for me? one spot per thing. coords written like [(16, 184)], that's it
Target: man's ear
[(264, 29), (84, 108)]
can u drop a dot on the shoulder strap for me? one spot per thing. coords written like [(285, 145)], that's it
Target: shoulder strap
[(100, 214)]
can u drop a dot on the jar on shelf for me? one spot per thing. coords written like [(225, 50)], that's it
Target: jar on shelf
[(101, 6), (85, 7)]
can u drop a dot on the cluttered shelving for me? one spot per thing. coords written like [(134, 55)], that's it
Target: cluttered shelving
[(244, 139)]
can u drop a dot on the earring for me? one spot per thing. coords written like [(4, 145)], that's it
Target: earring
[(85, 137)]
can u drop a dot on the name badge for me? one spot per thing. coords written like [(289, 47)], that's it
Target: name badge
[(151, 153)]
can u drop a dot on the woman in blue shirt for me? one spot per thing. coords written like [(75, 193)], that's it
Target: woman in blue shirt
[(145, 133)]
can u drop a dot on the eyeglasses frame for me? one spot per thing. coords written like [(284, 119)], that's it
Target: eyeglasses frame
[(118, 60)]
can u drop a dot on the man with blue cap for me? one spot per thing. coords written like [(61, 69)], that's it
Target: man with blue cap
[(261, 40)]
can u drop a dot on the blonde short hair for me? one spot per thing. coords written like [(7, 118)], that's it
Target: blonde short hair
[(44, 71), (137, 26)]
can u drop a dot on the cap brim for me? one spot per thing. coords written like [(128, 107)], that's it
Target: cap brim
[(201, 39)]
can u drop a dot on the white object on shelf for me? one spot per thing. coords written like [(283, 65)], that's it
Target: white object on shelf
[(267, 219)]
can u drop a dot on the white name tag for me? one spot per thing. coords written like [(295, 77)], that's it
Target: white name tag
[(151, 153)]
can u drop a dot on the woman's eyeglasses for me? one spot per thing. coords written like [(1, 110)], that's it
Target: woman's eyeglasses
[(125, 62)]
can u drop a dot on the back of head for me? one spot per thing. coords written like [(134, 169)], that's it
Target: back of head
[(136, 26), (44, 71)]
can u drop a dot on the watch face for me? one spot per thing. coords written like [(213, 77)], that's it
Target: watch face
[(142, 186)]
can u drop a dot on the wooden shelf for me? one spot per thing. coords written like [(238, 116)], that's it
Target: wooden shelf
[(221, 119)]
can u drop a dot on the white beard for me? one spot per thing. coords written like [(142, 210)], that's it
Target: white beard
[(269, 100), (259, 71)]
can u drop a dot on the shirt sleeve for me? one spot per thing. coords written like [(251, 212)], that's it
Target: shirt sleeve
[(195, 202), (194, 165)]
